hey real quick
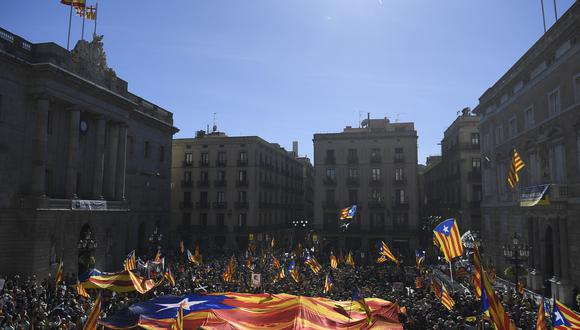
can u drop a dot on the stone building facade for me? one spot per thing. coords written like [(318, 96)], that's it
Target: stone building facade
[(84, 163), (453, 181), (229, 190), (374, 167), (535, 108)]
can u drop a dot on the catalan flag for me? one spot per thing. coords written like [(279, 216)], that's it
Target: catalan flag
[(447, 235), (333, 261), (293, 270), (312, 263), (229, 273), (564, 317), (74, 3), (130, 262), (347, 213), (356, 296), (516, 165), (461, 272), (179, 318), (58, 276), (273, 242), (281, 275), (81, 291), (381, 259), (169, 276), (158, 256), (385, 251), (275, 262), (436, 288), (125, 281), (419, 258), (541, 323), (476, 281), (446, 299), (327, 284), (349, 259), (198, 256), (93, 318)]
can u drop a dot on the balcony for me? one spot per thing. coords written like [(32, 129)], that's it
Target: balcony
[(185, 205), (242, 162), (220, 205), (375, 182), (202, 205), (400, 181), (401, 205), (329, 181), (399, 158), (243, 183), (203, 163), (352, 160), (376, 205), (186, 183), (220, 183), (203, 183), (330, 205), (221, 163), (187, 163), (352, 181), (241, 205), (376, 159)]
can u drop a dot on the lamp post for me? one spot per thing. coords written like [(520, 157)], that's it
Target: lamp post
[(516, 253), (155, 241)]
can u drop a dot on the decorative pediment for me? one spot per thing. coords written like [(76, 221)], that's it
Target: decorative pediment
[(90, 61)]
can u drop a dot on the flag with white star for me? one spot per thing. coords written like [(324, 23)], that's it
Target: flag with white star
[(447, 234)]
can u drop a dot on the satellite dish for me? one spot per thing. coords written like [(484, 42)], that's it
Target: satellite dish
[(364, 123)]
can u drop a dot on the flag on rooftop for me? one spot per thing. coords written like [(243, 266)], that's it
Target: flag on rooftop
[(74, 3)]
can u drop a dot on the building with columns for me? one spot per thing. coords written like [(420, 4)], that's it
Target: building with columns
[(535, 108), (228, 190), (374, 167), (84, 163)]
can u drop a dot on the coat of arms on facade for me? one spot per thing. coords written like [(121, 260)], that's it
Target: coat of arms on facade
[(90, 61)]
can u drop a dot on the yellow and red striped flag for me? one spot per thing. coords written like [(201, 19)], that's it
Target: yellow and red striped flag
[(333, 261), (541, 322), (228, 274), (130, 262), (385, 251), (169, 276), (564, 317), (327, 284), (515, 166), (58, 276), (179, 319), (446, 299), (418, 282), (349, 259), (81, 290), (275, 262), (447, 235), (74, 3), (158, 256), (93, 318)]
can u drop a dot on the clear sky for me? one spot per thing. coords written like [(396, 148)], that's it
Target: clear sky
[(285, 69)]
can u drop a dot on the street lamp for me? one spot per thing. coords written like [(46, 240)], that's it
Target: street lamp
[(516, 253), (155, 239)]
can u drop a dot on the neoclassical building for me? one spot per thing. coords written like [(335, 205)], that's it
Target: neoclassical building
[(535, 108), (84, 163)]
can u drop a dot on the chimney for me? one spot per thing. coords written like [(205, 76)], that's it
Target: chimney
[(295, 148)]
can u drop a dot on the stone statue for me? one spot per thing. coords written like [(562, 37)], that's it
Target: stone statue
[(90, 61)]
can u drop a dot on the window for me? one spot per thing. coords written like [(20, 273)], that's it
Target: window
[(376, 174), (554, 102), (331, 173), (186, 197), (242, 196), (243, 157), (400, 197), (188, 158), (558, 163), (476, 164), (376, 195), (187, 176), (513, 127), (204, 158), (352, 156), (203, 176), (221, 175), (377, 220), (220, 220), (399, 176), (476, 193), (399, 154), (186, 221), (221, 157), (221, 197), (161, 154), (353, 173), (329, 156), (242, 219), (498, 134), (400, 219), (475, 139), (203, 197), (242, 176), (203, 220), (353, 196), (529, 117), (146, 150), (375, 155)]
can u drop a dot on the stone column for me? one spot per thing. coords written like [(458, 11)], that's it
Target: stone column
[(99, 158), (121, 164), (73, 154), (111, 161), (556, 247), (563, 241), (40, 147)]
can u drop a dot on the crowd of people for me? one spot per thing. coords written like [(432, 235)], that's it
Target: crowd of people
[(31, 303)]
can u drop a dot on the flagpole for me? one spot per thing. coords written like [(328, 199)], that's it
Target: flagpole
[(555, 10), (96, 17), (451, 273), (69, 23), (543, 15), (83, 29)]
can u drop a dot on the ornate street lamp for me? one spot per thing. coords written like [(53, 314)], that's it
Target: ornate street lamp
[(155, 240), (516, 253)]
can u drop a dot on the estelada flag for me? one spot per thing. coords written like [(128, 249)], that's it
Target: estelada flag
[(349, 259), (58, 276), (447, 235), (75, 3), (446, 299), (541, 322), (92, 320), (385, 251), (564, 317), (81, 290), (327, 284)]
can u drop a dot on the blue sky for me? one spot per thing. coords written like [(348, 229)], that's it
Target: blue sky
[(285, 69)]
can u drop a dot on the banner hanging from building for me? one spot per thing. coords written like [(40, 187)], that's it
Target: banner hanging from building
[(535, 195)]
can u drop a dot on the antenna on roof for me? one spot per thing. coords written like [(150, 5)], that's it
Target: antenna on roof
[(214, 128)]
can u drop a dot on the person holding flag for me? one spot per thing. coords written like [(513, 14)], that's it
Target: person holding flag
[(130, 263), (333, 261), (448, 238), (419, 258), (349, 259), (327, 284), (386, 252), (446, 299), (346, 215), (93, 318)]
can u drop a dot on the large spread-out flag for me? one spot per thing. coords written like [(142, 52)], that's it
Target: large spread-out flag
[(356, 296), (327, 284), (228, 274), (564, 317), (58, 276), (93, 318), (385, 251), (515, 166), (75, 3), (312, 263), (130, 263), (81, 291), (447, 235), (349, 259), (125, 281), (333, 261), (446, 299), (419, 258), (541, 322), (490, 300), (255, 311), (293, 270)]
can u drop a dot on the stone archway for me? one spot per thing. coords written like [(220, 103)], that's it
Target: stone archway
[(86, 245)]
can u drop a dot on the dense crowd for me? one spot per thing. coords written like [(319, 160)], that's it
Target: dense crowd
[(27, 303)]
